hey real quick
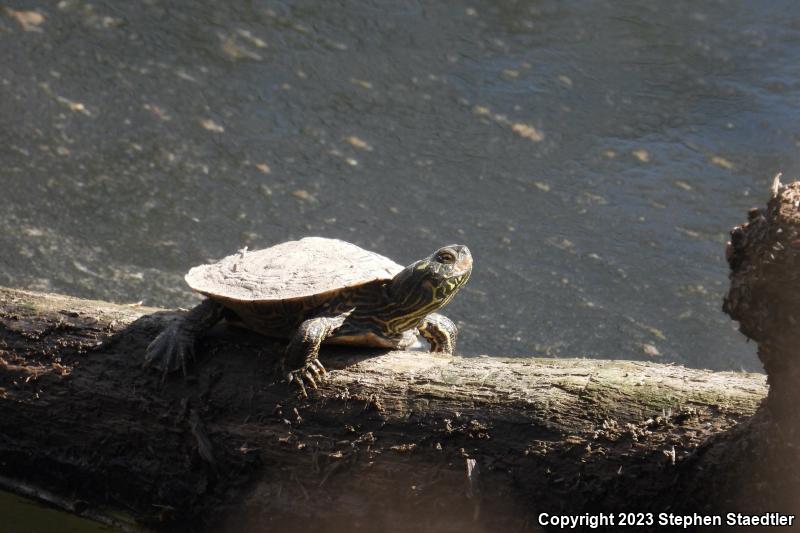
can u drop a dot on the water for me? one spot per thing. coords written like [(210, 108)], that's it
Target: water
[(593, 155), (21, 515)]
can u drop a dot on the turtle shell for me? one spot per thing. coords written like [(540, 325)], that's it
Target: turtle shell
[(294, 269)]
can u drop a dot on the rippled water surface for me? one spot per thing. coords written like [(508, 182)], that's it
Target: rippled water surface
[(593, 155)]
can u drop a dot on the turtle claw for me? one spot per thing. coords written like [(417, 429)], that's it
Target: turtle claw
[(296, 376), (182, 359), (303, 391), (185, 353), (313, 374), (308, 376), (316, 365), (169, 351)]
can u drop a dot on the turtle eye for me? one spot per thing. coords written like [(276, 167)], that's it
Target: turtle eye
[(446, 257)]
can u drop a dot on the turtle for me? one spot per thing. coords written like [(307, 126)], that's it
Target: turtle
[(318, 290)]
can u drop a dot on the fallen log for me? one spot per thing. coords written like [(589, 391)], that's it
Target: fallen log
[(396, 441), (760, 470)]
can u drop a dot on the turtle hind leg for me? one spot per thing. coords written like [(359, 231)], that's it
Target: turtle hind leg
[(174, 346), (301, 365), (440, 332)]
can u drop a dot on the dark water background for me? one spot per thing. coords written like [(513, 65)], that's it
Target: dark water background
[(593, 155), (20, 515)]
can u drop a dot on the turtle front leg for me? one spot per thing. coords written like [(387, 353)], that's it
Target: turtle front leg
[(175, 344), (440, 332), (303, 350)]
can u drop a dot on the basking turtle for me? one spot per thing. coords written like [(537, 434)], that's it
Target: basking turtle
[(319, 290)]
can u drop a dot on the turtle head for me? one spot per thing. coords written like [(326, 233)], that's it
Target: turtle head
[(426, 285)]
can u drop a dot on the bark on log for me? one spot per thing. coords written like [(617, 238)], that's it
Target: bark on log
[(764, 296), (762, 463), (393, 441)]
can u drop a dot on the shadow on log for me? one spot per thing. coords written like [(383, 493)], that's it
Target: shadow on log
[(398, 441)]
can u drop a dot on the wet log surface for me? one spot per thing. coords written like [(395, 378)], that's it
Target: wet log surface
[(396, 441)]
